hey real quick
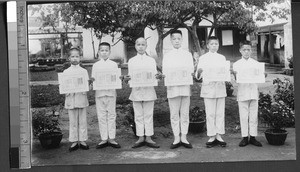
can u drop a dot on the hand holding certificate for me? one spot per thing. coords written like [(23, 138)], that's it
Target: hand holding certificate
[(254, 73), (142, 77), (219, 72), (178, 76), (73, 83), (107, 79)]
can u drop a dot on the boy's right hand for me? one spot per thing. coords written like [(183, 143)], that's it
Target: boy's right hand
[(126, 78)]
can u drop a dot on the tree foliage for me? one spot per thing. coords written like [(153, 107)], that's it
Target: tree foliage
[(128, 19)]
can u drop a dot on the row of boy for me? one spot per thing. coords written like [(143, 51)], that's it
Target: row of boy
[(143, 98)]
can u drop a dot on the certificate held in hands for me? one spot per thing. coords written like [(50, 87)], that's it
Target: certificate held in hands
[(219, 72), (254, 73), (73, 83), (178, 76), (142, 77), (106, 79)]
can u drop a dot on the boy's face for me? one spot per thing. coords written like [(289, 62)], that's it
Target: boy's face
[(141, 46), (213, 45), (104, 52), (246, 51), (74, 57), (176, 40)]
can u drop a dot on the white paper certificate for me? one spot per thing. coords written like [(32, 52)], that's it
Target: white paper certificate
[(217, 72), (254, 73), (178, 76), (72, 83), (142, 78), (106, 79)]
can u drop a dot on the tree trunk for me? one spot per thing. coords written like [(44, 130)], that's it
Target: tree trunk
[(196, 39), (93, 45), (159, 47)]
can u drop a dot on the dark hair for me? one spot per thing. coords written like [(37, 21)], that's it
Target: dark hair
[(175, 31), (245, 42), (212, 38), (104, 44), (74, 49)]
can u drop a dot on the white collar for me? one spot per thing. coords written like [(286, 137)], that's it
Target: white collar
[(102, 60)]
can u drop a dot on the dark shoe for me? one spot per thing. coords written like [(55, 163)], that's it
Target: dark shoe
[(187, 145), (73, 148), (84, 147), (115, 145), (254, 142), (244, 142), (221, 143), (174, 146), (137, 145), (152, 145), (100, 146), (212, 144)]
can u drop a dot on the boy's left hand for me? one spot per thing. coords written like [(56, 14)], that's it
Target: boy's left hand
[(266, 74)]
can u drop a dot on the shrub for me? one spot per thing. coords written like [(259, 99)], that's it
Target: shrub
[(284, 92), (229, 88), (290, 60), (279, 116), (44, 121), (197, 115)]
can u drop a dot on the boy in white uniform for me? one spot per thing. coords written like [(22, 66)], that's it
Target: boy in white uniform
[(214, 94), (142, 97), (106, 101), (247, 97), (76, 104), (178, 96)]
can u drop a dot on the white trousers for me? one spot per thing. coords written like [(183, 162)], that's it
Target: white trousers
[(77, 124), (215, 114), (179, 113), (248, 117), (106, 113), (143, 117)]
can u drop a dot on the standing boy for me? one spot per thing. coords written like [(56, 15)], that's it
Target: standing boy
[(76, 104), (247, 97), (142, 97), (214, 94), (106, 101), (178, 96)]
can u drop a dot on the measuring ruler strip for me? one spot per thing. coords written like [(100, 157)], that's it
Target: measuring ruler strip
[(25, 117)]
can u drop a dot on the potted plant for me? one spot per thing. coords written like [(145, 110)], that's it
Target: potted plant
[(229, 88), (277, 114), (197, 120), (45, 126)]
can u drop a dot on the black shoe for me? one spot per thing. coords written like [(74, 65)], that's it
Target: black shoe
[(103, 145), (152, 145), (221, 143), (254, 142), (244, 142), (174, 146), (84, 147), (73, 148), (187, 145), (212, 144), (137, 145), (117, 145)]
